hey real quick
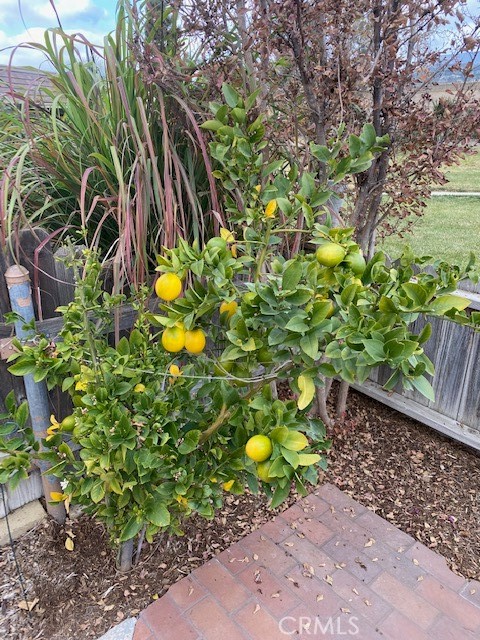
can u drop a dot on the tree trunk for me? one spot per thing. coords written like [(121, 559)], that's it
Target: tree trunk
[(321, 406), (342, 399), (125, 556)]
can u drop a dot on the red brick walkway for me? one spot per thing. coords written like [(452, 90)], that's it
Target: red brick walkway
[(327, 567)]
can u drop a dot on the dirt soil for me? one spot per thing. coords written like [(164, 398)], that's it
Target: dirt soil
[(418, 480)]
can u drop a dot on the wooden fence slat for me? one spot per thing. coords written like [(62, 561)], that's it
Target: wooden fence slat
[(27, 491), (4, 300), (469, 405), (451, 366), (28, 242)]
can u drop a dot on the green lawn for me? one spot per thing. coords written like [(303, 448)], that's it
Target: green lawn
[(463, 177), (449, 229)]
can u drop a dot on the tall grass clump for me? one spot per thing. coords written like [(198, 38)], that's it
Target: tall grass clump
[(114, 156)]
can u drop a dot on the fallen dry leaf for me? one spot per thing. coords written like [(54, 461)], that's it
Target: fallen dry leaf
[(257, 609), (28, 605), (370, 542), (328, 579), (320, 597)]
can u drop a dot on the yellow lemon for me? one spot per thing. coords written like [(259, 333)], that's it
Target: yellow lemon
[(330, 254), (229, 308), (173, 339), (259, 448), (195, 341), (168, 286), (139, 388)]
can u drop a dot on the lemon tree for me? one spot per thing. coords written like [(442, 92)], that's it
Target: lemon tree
[(180, 412)]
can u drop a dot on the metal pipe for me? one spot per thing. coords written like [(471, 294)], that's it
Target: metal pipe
[(20, 293)]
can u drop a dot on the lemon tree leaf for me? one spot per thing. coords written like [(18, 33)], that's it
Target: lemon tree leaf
[(98, 492), (131, 529), (306, 459), (309, 345), (442, 304), (422, 385), (425, 333), (211, 125), (279, 434), (295, 441), (158, 514), (291, 457), (231, 96), (307, 391), (292, 276), (281, 494)]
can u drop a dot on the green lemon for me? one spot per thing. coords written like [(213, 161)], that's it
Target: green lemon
[(264, 356), (330, 254), (262, 471), (356, 262), (223, 367), (68, 424)]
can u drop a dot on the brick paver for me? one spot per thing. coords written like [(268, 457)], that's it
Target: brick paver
[(326, 567)]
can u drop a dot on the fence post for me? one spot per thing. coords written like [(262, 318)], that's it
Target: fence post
[(20, 293)]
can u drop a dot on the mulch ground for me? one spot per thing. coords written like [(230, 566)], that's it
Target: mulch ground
[(418, 480)]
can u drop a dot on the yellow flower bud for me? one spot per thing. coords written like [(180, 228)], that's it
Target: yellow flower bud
[(270, 209)]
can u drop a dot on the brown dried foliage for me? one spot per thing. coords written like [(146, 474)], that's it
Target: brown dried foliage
[(320, 63)]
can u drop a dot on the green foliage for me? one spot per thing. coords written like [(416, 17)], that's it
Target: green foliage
[(16, 442), (253, 181)]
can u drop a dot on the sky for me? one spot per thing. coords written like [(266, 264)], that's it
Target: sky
[(26, 21)]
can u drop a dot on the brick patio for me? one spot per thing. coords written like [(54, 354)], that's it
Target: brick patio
[(327, 567)]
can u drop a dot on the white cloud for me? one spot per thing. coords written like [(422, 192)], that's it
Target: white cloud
[(7, 8), (28, 56), (65, 8)]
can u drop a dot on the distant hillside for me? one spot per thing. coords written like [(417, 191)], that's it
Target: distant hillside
[(447, 76)]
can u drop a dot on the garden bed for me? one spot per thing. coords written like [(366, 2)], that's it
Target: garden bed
[(418, 480)]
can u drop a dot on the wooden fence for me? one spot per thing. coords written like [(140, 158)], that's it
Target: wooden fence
[(455, 351), (52, 286)]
